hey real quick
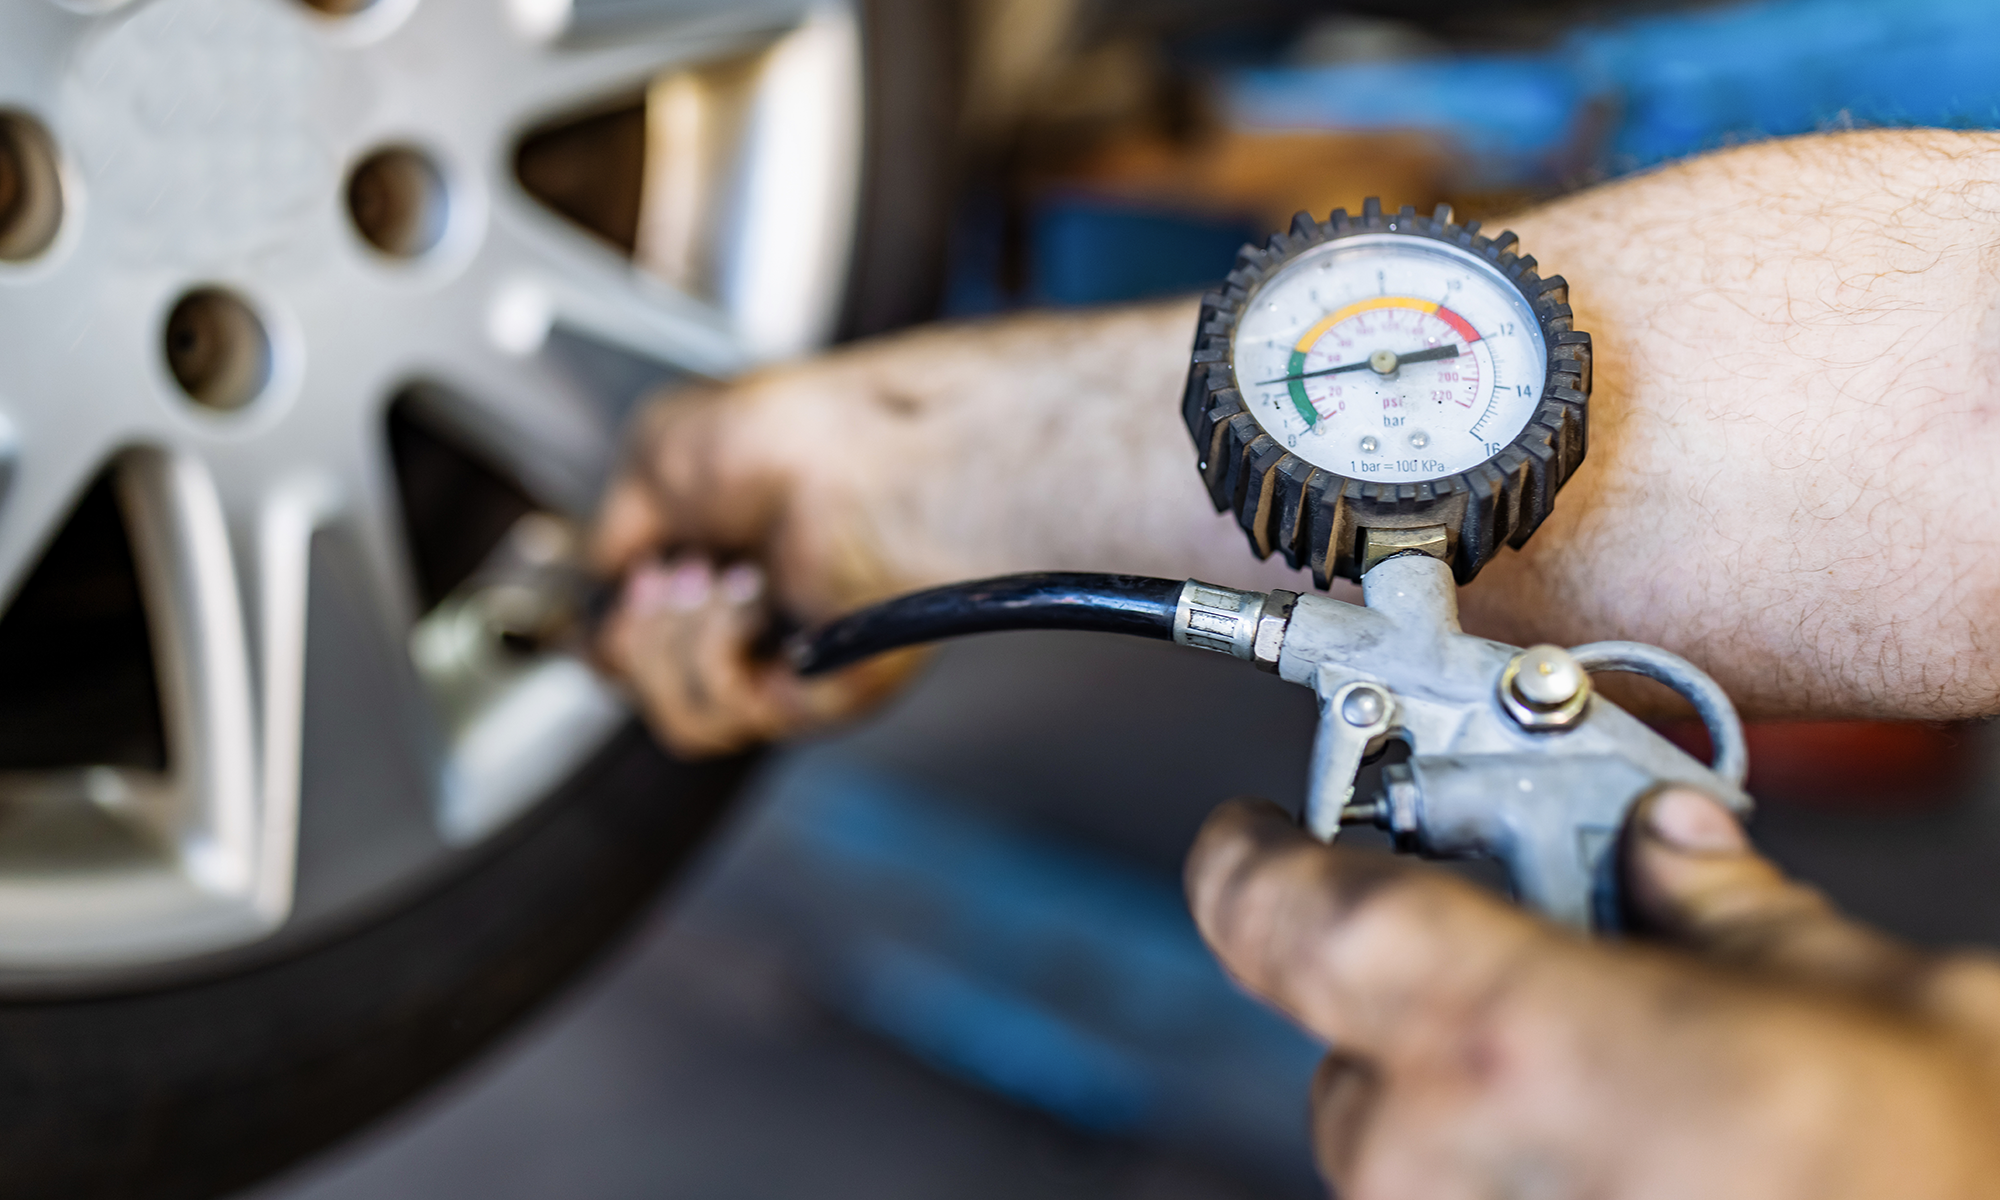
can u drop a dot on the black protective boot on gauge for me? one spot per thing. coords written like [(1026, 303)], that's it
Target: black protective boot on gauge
[(1368, 386)]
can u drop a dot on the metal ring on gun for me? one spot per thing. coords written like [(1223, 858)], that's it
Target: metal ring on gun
[(1725, 729)]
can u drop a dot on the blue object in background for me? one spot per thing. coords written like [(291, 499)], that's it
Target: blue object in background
[(1060, 976), (1669, 85), (1509, 115), (1692, 82), (1085, 250), (1096, 251)]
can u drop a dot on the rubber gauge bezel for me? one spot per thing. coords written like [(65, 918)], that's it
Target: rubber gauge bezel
[(1319, 518)]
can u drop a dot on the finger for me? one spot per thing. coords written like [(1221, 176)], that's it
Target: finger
[(685, 637), (731, 704), (1383, 958), (1344, 1099), (629, 526), (742, 706), (1692, 875), (828, 699), (651, 640)]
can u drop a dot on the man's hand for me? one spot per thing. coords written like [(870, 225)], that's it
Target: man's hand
[(1041, 442), (1762, 1047)]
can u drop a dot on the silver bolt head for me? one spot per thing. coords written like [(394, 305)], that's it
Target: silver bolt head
[(1363, 707), (1548, 677), (1382, 362)]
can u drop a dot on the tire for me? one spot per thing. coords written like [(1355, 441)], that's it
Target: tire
[(207, 1086), (910, 167)]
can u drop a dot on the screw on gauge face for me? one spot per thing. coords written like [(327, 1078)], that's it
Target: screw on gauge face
[(1363, 707), (1545, 688), (1369, 445), (1420, 439)]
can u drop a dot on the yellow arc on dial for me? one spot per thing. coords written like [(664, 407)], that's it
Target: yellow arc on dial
[(1296, 367)]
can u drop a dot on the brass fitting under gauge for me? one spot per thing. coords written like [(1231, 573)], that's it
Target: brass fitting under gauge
[(1370, 386)]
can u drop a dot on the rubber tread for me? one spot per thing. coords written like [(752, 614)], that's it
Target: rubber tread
[(1317, 518)]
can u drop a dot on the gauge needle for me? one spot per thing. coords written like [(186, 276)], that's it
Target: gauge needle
[(1383, 361)]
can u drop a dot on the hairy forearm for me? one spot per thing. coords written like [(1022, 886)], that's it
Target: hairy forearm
[(1793, 439)]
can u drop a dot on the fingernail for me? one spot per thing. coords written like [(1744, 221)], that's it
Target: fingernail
[(742, 583), (688, 585), (1688, 820), (647, 589)]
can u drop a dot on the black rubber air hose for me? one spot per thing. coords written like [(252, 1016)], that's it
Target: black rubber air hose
[(1132, 604)]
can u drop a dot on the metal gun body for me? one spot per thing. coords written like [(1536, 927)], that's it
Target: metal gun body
[(1544, 790)]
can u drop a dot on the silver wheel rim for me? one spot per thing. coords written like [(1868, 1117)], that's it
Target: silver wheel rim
[(205, 144)]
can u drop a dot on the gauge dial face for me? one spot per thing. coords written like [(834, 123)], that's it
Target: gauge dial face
[(1390, 357)]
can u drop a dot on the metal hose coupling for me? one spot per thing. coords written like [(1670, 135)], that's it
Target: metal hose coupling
[(1246, 625)]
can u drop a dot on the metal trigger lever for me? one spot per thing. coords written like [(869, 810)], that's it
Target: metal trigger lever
[(1354, 722)]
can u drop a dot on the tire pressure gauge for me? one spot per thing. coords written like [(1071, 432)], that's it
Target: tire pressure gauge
[(1391, 397), (1367, 386)]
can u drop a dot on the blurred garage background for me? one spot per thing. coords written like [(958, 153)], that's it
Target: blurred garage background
[(944, 953)]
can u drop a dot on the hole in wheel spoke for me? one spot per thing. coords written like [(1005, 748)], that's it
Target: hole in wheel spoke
[(30, 188), (77, 654), (698, 183), (398, 201), (83, 742), (456, 507), (217, 349), (339, 8), (591, 170), (658, 176)]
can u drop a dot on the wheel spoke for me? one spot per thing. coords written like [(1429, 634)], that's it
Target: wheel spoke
[(538, 263), (538, 426), (370, 518), (180, 540), (517, 72), (603, 20), (573, 73), (280, 569), (551, 435)]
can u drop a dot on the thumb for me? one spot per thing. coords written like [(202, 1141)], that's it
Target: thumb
[(1382, 957), (1692, 875)]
